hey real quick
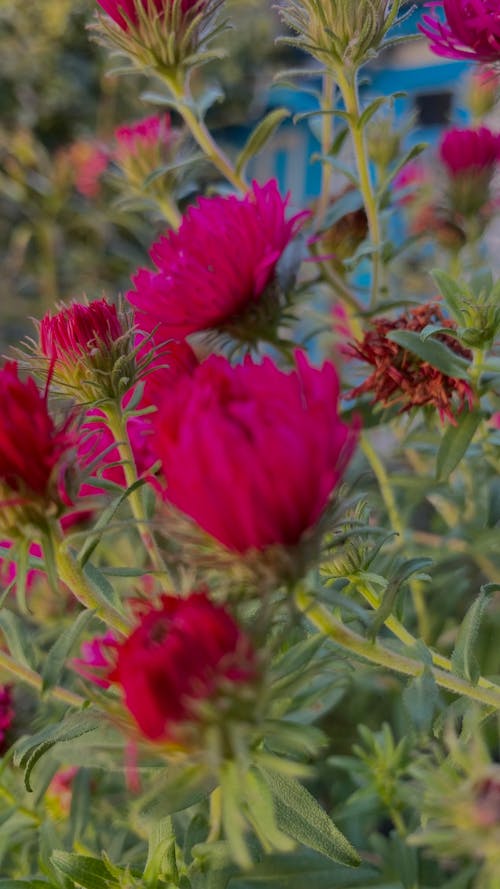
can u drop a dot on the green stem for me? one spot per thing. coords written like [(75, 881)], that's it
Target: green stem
[(169, 211), (397, 526), (384, 657), (30, 677), (118, 427), (202, 135), (327, 131), (404, 636), (348, 86), (72, 575)]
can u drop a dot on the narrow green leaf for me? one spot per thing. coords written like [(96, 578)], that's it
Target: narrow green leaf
[(412, 153), (260, 136), (463, 659), (58, 654), (301, 817), (16, 638), (28, 751), (455, 442), (420, 699), (452, 293), (89, 873), (433, 352), (179, 789)]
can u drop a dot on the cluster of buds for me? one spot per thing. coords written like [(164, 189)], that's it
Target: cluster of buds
[(342, 35), (169, 36)]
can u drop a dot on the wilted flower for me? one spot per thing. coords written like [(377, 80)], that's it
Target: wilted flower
[(470, 157), (185, 654), (218, 271), (164, 34), (88, 350), (401, 377), (34, 454), (251, 453), (341, 240), (470, 30), (6, 715), (339, 33)]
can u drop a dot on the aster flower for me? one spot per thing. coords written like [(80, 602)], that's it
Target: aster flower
[(219, 270), (187, 652), (34, 454), (470, 30), (88, 350), (470, 158), (87, 161), (253, 454), (400, 377)]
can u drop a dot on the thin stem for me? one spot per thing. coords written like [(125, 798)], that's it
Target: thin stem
[(397, 525), (30, 677), (349, 88), (384, 657), (215, 816), (202, 135), (118, 427), (169, 211), (72, 575), (404, 636), (327, 131)]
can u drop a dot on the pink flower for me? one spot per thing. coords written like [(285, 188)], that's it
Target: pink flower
[(412, 175), (143, 136), (8, 569), (97, 655), (470, 30), (220, 264), (124, 12), (33, 450), (88, 162), (252, 453), (6, 715), (467, 151), (79, 330), (188, 650)]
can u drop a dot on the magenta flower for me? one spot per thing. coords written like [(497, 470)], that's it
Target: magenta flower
[(470, 30), (468, 151), (219, 267), (144, 135), (251, 453), (124, 12), (6, 715)]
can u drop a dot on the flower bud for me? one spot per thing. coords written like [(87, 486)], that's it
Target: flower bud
[(88, 351), (339, 33), (483, 92), (145, 146), (470, 158)]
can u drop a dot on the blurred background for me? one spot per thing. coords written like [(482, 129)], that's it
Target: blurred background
[(63, 230)]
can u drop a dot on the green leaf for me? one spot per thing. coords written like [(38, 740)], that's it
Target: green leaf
[(412, 153), (94, 537), (455, 442), (260, 136), (420, 698), (463, 659), (90, 873), (301, 869), (433, 352), (301, 817), (179, 789), (26, 884), (58, 654), (16, 638), (452, 293), (28, 751)]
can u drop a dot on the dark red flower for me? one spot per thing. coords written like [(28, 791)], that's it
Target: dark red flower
[(189, 650), (33, 450), (400, 377), (251, 453), (125, 14), (218, 267)]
